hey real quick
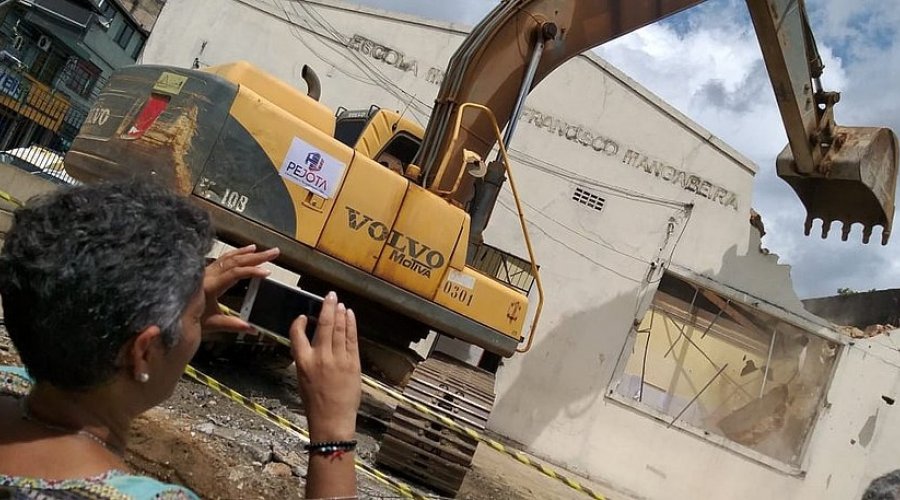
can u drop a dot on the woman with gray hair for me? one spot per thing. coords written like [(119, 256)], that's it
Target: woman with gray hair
[(106, 296)]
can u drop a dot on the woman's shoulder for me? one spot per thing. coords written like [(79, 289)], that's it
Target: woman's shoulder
[(14, 380), (145, 487), (113, 485)]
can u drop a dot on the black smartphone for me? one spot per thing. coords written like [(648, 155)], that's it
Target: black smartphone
[(273, 307)]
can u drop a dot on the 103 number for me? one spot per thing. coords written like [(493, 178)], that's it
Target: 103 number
[(235, 201)]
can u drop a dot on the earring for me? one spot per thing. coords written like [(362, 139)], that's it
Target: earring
[(143, 377)]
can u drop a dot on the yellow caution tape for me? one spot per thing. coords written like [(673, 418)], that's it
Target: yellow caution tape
[(518, 455), (8, 197), (401, 488), (462, 429)]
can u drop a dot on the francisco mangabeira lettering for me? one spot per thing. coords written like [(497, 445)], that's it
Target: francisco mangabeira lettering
[(585, 137), (685, 180)]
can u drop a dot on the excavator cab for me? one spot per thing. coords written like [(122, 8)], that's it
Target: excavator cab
[(385, 136), (855, 184), (350, 124)]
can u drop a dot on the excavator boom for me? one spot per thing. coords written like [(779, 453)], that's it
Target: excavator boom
[(839, 173), (493, 61), (846, 174)]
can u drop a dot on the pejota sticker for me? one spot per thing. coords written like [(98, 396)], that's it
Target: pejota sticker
[(312, 169)]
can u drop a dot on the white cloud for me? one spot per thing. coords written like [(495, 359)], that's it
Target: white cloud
[(708, 65)]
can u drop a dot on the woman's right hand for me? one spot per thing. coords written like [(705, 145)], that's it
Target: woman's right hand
[(328, 371)]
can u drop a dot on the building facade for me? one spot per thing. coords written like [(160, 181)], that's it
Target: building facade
[(55, 55), (673, 357)]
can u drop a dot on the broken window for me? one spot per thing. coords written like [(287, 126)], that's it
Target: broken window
[(704, 361)]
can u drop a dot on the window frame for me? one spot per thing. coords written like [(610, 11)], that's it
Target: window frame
[(121, 35), (809, 327), (72, 76), (400, 135), (136, 51), (108, 10)]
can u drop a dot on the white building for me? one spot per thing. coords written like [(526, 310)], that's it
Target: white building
[(625, 197)]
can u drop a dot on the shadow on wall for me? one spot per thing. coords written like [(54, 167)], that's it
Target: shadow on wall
[(759, 273), (567, 370)]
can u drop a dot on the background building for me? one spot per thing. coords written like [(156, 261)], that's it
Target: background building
[(55, 55)]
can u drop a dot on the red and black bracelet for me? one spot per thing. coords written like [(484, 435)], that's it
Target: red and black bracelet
[(331, 449)]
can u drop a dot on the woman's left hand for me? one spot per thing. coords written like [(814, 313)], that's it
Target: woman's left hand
[(223, 273)]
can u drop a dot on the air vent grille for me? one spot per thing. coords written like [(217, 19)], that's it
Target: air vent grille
[(588, 199)]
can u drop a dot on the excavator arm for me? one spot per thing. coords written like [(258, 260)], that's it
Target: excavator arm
[(846, 174), (839, 173)]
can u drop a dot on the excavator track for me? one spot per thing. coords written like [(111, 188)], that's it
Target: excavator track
[(421, 447)]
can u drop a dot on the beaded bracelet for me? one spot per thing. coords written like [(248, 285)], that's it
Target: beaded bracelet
[(331, 447)]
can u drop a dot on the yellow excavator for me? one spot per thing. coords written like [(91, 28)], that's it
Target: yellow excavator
[(391, 216)]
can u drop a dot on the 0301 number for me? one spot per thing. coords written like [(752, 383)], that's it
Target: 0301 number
[(459, 293)]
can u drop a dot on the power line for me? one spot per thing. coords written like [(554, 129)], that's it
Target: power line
[(569, 247), (369, 74), (379, 76), (561, 172), (668, 261), (373, 76), (601, 242)]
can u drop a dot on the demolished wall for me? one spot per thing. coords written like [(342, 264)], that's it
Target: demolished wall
[(858, 309)]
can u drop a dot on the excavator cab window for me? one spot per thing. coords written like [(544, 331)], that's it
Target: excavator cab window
[(349, 125), (399, 152)]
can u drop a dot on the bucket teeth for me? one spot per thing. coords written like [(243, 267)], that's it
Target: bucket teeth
[(845, 231), (860, 183), (826, 226)]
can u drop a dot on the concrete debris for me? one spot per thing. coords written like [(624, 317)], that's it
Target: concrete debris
[(758, 419), (260, 453), (757, 222), (257, 445), (278, 469), (206, 428), (873, 330), (869, 331), (285, 456), (240, 473)]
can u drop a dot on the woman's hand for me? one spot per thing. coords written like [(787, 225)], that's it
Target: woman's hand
[(223, 273), (328, 372)]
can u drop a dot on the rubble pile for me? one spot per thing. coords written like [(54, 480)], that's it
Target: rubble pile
[(868, 332)]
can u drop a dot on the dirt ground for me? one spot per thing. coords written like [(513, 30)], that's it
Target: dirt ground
[(205, 441)]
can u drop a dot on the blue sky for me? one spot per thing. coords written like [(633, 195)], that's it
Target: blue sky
[(706, 62)]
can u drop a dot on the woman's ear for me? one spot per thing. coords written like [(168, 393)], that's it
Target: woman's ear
[(143, 348)]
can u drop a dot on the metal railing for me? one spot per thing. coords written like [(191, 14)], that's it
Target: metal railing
[(37, 125), (503, 266)]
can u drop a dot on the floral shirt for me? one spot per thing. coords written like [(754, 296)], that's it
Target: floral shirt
[(111, 485)]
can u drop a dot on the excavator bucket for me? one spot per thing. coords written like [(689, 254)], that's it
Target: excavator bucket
[(856, 182)]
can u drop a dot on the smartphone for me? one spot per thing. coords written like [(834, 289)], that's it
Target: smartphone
[(273, 307)]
